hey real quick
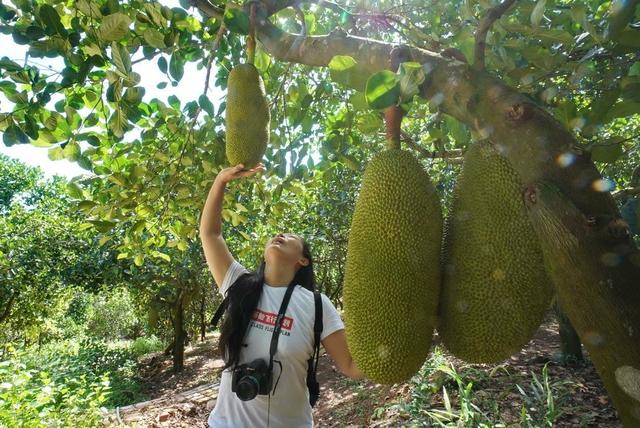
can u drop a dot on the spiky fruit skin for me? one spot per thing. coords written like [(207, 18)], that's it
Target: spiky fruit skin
[(392, 272), (495, 290), (246, 117)]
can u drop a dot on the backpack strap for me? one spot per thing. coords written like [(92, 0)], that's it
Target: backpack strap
[(219, 312), (312, 368)]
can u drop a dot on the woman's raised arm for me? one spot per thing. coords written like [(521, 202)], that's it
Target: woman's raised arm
[(215, 248)]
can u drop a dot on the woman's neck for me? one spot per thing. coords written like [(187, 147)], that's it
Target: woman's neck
[(278, 276)]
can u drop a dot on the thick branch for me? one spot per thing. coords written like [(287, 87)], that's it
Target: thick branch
[(208, 9), (626, 193), (454, 156), (492, 16)]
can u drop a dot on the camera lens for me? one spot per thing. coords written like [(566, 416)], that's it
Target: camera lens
[(247, 388)]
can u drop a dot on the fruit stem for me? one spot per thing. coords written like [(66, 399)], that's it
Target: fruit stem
[(251, 40), (392, 121)]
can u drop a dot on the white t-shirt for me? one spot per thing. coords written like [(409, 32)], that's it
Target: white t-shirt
[(289, 407)]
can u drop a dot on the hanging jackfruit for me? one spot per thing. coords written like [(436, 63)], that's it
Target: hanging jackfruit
[(495, 290), (392, 272), (247, 116)]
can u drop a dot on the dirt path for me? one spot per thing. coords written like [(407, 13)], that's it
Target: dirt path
[(185, 400)]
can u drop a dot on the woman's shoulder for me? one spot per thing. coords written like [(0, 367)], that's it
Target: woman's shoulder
[(307, 295)]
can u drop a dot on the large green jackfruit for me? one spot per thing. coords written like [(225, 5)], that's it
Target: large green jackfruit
[(247, 116), (392, 272), (495, 290)]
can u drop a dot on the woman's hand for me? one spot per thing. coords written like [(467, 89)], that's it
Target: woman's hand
[(231, 173)]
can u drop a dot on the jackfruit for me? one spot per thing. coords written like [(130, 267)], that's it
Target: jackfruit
[(495, 290), (392, 272), (247, 116)]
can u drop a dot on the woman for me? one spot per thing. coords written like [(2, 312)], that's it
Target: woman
[(255, 299)]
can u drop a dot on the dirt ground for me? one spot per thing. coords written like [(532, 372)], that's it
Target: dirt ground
[(349, 403)]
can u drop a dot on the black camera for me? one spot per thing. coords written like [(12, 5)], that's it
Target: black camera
[(251, 379)]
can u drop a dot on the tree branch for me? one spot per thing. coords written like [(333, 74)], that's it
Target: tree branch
[(451, 156), (492, 16), (207, 8), (300, 15)]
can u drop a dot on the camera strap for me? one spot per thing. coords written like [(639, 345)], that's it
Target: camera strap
[(278, 324)]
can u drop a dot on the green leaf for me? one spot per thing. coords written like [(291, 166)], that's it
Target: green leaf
[(369, 123), (622, 109), (14, 135), (118, 123), (608, 151), (34, 32), (45, 139), (120, 58), (206, 105), (51, 19), (56, 153), (341, 63), (176, 66), (114, 27), (134, 95), (154, 38), (86, 205), (72, 151), (358, 101), (538, 11), (174, 102), (602, 104), (629, 38), (74, 190), (89, 8), (634, 70), (354, 77), (102, 225), (262, 60), (236, 21), (620, 14), (139, 260), (8, 65), (411, 77), (383, 90), (154, 11), (162, 64)]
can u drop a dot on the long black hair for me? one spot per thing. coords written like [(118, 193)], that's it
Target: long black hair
[(244, 295)]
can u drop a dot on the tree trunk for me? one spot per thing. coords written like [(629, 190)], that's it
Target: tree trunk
[(203, 320), (570, 345), (598, 289), (179, 336), (7, 308)]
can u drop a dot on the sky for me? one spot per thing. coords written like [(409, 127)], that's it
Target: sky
[(189, 88)]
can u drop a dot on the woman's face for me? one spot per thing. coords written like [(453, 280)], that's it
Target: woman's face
[(285, 248)]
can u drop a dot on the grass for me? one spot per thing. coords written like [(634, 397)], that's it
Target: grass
[(443, 396)]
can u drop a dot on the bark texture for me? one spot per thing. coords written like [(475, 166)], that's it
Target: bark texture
[(599, 290)]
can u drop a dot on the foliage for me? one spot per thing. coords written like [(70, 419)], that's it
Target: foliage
[(36, 393), (145, 345), (93, 373), (111, 316), (44, 255), (443, 396), (543, 400)]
